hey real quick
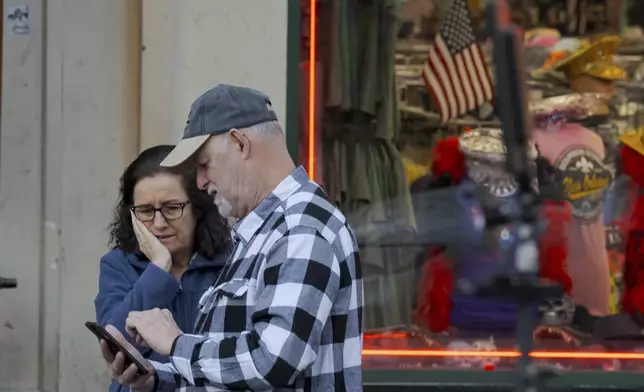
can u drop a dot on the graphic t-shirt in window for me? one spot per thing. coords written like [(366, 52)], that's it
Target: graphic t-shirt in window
[(578, 154)]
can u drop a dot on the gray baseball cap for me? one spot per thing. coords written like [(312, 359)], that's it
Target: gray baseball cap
[(217, 111)]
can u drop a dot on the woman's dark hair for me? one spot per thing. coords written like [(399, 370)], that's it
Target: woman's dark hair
[(212, 232)]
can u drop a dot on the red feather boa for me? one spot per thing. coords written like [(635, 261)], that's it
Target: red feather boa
[(448, 159), (553, 243), (633, 295), (434, 300)]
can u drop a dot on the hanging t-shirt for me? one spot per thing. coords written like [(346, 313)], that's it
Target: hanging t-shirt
[(616, 212), (578, 154)]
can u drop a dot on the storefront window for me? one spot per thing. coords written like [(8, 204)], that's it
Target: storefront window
[(399, 124)]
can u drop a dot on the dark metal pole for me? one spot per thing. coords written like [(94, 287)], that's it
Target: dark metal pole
[(522, 213)]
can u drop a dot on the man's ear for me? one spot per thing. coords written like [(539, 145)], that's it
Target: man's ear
[(240, 142)]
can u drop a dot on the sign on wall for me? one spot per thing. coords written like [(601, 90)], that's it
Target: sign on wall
[(18, 19)]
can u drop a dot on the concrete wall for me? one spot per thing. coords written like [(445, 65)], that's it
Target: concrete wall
[(192, 45), (79, 99), (21, 209)]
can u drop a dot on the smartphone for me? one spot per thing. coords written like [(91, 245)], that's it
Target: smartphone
[(114, 346)]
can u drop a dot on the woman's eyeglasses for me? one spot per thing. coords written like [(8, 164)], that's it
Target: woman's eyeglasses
[(170, 211)]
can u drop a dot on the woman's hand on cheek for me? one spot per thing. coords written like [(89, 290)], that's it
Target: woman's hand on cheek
[(150, 245)]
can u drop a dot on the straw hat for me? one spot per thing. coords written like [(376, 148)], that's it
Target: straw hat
[(574, 57)]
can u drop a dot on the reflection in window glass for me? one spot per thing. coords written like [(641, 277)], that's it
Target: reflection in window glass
[(399, 125)]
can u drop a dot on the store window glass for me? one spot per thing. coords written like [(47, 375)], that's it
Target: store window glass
[(399, 124)]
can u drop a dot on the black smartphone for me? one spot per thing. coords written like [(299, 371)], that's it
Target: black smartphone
[(114, 346)]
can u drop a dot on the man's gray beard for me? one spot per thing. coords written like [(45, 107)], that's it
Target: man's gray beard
[(224, 207)]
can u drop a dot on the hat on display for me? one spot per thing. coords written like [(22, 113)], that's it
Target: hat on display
[(594, 57), (486, 145), (542, 37), (485, 154), (560, 109), (217, 111)]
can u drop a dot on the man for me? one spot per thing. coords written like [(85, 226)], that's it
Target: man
[(287, 312)]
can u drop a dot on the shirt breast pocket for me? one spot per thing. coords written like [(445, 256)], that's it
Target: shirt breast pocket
[(232, 293), (232, 305)]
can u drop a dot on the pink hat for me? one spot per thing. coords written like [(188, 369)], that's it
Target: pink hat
[(542, 41)]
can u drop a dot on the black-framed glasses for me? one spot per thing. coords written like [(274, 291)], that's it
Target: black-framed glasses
[(170, 211)]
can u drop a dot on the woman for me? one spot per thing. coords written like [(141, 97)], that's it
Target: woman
[(169, 244)]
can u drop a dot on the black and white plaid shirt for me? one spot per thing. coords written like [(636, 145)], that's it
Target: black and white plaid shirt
[(287, 313)]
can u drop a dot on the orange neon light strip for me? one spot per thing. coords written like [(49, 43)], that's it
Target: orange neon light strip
[(401, 335), (500, 354), (503, 354), (312, 52)]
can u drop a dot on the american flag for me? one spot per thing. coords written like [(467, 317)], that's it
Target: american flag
[(455, 71)]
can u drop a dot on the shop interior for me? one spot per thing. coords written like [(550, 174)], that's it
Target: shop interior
[(413, 155)]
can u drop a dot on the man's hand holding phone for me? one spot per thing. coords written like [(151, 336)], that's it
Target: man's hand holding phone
[(127, 376), (154, 328)]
